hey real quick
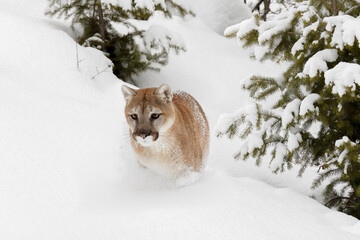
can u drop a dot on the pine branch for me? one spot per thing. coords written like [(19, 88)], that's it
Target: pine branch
[(331, 201)]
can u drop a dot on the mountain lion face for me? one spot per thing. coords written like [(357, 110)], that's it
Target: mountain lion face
[(149, 113)]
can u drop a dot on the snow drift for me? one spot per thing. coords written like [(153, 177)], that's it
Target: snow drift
[(66, 167)]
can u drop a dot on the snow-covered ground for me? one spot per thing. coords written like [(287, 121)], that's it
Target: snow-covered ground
[(67, 170)]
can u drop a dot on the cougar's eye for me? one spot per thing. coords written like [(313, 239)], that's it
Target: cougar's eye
[(155, 116), (134, 116)]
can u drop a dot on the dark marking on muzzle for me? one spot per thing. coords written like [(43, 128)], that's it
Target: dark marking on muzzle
[(143, 133)]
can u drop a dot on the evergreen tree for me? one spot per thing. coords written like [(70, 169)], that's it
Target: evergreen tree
[(112, 26), (315, 116), (268, 7)]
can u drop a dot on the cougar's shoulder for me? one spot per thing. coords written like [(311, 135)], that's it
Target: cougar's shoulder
[(192, 112)]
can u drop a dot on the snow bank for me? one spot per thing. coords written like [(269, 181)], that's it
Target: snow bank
[(219, 14)]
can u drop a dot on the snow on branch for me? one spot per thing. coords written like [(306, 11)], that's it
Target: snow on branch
[(307, 104), (343, 77), (290, 112), (318, 63), (346, 29)]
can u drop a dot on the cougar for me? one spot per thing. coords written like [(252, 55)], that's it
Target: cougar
[(169, 131)]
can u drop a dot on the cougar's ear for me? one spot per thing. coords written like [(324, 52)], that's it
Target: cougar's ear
[(128, 92), (164, 91)]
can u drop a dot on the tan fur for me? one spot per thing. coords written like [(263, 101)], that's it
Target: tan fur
[(182, 143)]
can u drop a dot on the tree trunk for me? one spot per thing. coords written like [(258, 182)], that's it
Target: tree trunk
[(101, 25), (257, 6), (334, 7), (266, 9)]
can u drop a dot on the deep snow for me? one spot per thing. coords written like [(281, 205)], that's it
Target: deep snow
[(67, 170)]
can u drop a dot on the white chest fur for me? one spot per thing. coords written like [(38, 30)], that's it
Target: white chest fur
[(163, 157)]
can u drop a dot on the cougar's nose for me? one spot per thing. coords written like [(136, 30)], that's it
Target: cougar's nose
[(144, 133)]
